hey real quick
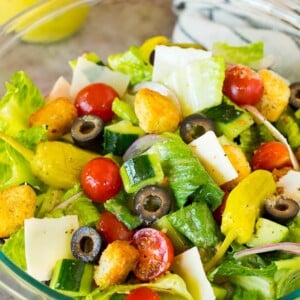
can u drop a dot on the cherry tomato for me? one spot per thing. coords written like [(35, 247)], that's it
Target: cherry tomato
[(144, 293), (156, 253), (271, 155), (242, 85), (101, 179), (112, 229), (96, 99)]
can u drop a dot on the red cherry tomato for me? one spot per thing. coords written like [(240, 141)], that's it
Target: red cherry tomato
[(96, 99), (112, 229), (271, 155), (156, 253), (143, 293), (101, 179), (242, 85)]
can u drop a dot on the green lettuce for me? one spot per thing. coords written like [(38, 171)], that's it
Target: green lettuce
[(250, 54), (14, 248), (22, 98), (185, 173), (169, 287), (131, 63), (196, 223), (14, 168)]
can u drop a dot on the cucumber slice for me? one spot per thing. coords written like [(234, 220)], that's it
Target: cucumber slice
[(72, 277), (119, 136), (140, 171)]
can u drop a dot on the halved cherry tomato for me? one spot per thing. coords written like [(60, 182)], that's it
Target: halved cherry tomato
[(101, 179), (96, 99), (112, 229), (143, 293), (243, 85), (156, 253), (271, 155)]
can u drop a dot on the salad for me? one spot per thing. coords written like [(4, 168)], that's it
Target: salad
[(167, 172)]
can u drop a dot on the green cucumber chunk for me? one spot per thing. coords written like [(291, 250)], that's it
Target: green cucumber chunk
[(229, 118), (268, 232), (72, 277), (140, 171), (119, 136)]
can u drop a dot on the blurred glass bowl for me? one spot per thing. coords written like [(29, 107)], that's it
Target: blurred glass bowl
[(111, 27)]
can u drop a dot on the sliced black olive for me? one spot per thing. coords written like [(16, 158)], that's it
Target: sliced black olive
[(87, 132), (281, 209), (193, 126), (151, 203), (87, 244), (294, 99)]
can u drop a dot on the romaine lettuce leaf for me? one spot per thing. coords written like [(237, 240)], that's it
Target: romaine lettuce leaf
[(250, 54), (185, 173), (195, 222), (14, 248), (169, 287), (21, 99), (14, 168), (198, 85), (131, 63)]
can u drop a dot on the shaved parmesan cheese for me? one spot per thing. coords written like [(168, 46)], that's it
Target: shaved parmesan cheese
[(189, 266), (46, 241), (167, 59), (213, 157), (61, 88), (87, 72), (290, 182)]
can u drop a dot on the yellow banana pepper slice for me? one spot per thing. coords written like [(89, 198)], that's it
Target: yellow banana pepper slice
[(243, 207)]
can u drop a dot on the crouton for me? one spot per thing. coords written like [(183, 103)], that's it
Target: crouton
[(275, 97), (17, 204), (58, 115), (156, 113), (239, 162), (115, 263)]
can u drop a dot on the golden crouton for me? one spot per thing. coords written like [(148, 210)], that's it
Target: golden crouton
[(116, 261), (156, 113), (17, 204), (239, 162), (58, 115), (275, 97)]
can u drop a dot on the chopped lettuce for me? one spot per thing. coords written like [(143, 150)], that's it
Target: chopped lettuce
[(14, 248), (287, 277), (131, 63), (14, 168), (169, 286), (185, 173), (21, 99), (198, 85), (250, 54), (196, 223), (120, 207)]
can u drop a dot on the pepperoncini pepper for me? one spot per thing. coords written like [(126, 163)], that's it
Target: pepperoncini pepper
[(243, 207)]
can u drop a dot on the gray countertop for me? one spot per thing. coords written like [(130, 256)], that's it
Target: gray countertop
[(134, 22)]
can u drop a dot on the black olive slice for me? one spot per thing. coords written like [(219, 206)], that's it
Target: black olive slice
[(87, 244), (193, 126), (294, 99), (151, 203), (87, 132), (281, 209)]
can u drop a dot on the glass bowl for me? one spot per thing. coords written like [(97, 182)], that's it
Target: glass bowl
[(112, 26)]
